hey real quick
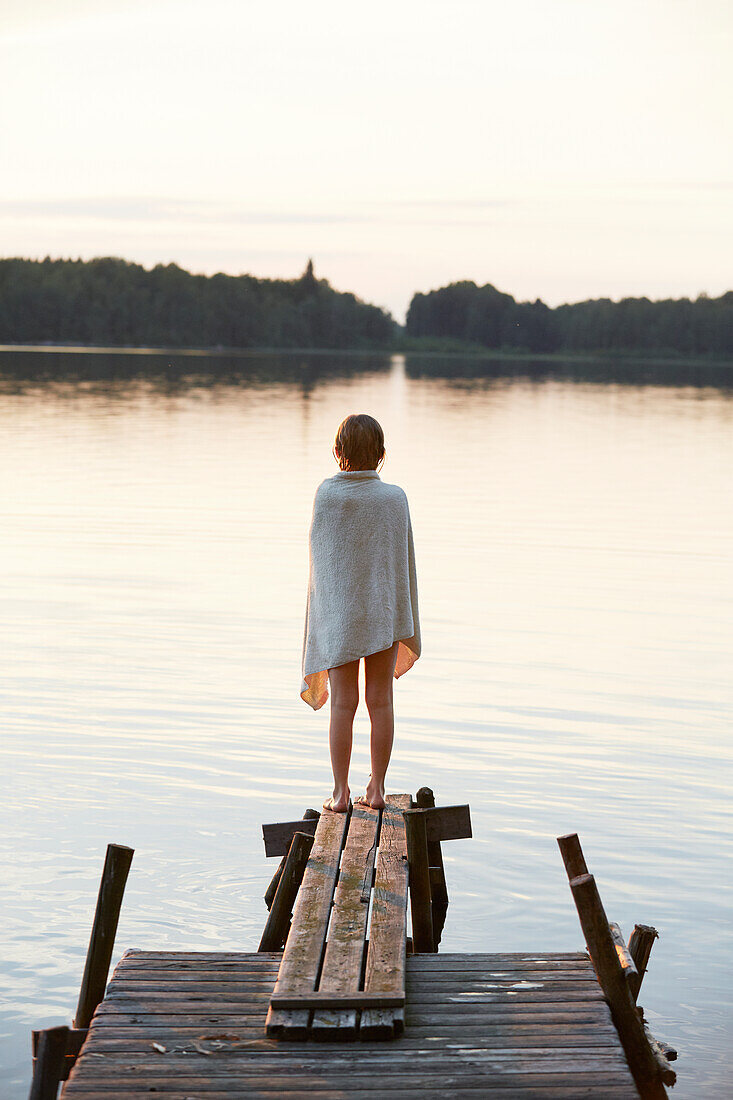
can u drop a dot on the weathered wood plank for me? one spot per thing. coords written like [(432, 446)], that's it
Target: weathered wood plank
[(532, 1036), (319, 999), (448, 823), (301, 959), (624, 956), (343, 959), (278, 836), (436, 1088), (409, 1086), (385, 965), (525, 1025)]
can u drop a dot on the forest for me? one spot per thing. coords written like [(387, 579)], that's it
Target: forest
[(484, 316), (112, 302), (117, 304)]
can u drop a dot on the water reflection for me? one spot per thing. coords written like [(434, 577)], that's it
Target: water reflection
[(182, 369), (602, 372), (574, 556)]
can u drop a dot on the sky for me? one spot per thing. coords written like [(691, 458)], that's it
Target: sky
[(560, 149)]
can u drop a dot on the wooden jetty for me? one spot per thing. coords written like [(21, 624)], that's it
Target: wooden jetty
[(339, 1002)]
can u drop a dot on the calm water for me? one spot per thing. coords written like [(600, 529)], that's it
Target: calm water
[(574, 539)]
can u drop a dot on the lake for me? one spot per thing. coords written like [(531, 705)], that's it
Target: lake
[(574, 543)]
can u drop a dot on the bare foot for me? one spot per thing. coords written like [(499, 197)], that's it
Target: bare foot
[(374, 796), (338, 804)]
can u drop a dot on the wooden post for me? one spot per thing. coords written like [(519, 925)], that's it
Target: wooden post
[(420, 896), (572, 855), (74, 1043), (624, 955), (438, 888), (102, 941), (271, 890), (50, 1063), (644, 1066), (309, 815), (278, 922), (641, 942)]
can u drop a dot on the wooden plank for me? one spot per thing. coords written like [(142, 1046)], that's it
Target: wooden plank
[(624, 957), (200, 1068), (448, 823), (450, 981), (279, 1058), (437, 1087), (505, 1013), (322, 999), (385, 966), (534, 1092), (301, 959), (439, 1036), (344, 956), (278, 836), (477, 982), (444, 962), (480, 1039)]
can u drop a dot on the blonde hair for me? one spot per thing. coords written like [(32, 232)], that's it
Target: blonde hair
[(359, 443)]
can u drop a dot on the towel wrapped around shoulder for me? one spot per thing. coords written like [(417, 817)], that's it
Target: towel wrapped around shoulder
[(362, 587)]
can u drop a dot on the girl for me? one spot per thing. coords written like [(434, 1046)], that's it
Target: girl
[(362, 602)]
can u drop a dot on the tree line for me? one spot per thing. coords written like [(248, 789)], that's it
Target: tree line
[(115, 303), (484, 316)]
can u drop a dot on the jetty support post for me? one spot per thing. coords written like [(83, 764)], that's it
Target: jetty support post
[(572, 855), (309, 815), (650, 1069), (101, 944), (278, 923), (425, 799), (641, 942), (421, 907), (50, 1063)]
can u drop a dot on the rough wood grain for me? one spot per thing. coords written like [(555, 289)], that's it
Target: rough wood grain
[(276, 927), (278, 836), (303, 953), (559, 1044), (385, 966), (600, 942), (344, 956), (104, 930)]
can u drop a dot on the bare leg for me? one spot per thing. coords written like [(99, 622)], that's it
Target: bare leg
[(344, 684), (379, 701)]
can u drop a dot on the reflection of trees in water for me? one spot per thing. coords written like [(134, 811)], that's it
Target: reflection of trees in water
[(181, 372), (462, 369)]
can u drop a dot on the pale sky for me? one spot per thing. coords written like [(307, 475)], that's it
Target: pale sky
[(561, 149)]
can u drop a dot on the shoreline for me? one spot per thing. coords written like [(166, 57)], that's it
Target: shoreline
[(601, 357)]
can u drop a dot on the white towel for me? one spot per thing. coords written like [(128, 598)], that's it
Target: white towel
[(362, 588)]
